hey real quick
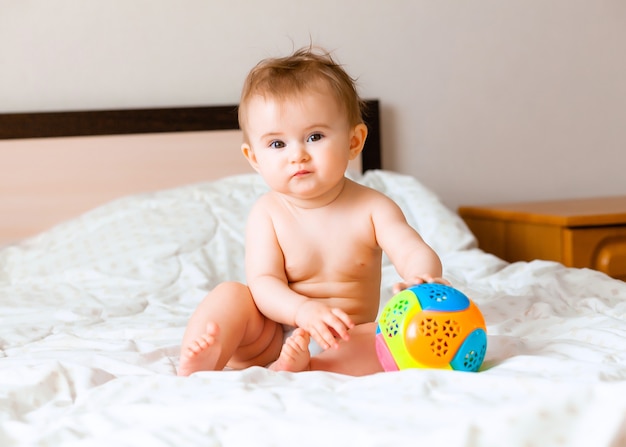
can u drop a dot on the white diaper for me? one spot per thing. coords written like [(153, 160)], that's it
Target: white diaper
[(314, 348)]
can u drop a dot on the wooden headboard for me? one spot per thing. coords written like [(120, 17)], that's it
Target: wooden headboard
[(57, 165)]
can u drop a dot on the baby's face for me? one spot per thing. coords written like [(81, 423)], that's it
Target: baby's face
[(301, 145)]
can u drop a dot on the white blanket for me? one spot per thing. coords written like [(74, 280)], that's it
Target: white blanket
[(93, 311)]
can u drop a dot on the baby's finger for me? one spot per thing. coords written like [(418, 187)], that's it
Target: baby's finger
[(343, 323), (325, 342), (427, 279), (344, 317), (443, 281), (330, 331), (335, 327), (399, 287)]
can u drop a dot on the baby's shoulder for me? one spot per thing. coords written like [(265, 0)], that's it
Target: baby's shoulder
[(368, 194), (270, 205), (263, 204)]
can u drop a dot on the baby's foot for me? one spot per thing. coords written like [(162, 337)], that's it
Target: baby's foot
[(202, 353), (295, 355)]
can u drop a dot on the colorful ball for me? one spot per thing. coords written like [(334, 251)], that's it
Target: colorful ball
[(431, 326)]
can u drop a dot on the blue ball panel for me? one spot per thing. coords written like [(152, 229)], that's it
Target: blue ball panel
[(471, 354), (440, 297)]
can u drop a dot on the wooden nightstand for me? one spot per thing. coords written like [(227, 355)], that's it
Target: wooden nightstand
[(578, 233)]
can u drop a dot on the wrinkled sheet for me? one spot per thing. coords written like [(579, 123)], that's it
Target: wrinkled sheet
[(93, 312)]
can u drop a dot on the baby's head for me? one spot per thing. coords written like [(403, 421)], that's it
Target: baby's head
[(303, 71)]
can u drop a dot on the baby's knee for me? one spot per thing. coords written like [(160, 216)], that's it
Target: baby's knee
[(231, 287), (235, 292)]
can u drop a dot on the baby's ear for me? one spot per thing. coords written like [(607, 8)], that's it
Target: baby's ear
[(250, 156), (357, 140)]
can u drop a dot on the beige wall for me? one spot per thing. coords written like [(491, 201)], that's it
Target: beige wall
[(483, 101)]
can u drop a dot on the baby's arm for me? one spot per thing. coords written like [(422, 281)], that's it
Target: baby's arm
[(268, 282), (413, 258)]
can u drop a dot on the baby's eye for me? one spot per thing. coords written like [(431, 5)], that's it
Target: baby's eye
[(277, 144), (314, 137)]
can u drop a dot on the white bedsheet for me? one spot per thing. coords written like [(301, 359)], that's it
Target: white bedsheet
[(92, 313)]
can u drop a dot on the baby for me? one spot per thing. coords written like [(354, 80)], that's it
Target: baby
[(314, 243)]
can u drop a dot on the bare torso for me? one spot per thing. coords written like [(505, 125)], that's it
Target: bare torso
[(331, 253)]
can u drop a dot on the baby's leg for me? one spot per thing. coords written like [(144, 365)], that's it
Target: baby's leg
[(294, 355), (228, 328), (355, 357)]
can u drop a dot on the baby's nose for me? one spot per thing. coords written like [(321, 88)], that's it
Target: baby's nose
[(299, 154)]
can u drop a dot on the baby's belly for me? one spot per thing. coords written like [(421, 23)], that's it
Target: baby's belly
[(359, 300)]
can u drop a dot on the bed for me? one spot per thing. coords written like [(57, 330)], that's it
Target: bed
[(98, 279)]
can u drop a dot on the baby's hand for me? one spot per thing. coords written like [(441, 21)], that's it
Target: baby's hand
[(421, 279), (323, 323)]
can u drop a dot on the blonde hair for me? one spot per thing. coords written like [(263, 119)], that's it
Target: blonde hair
[(306, 68)]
